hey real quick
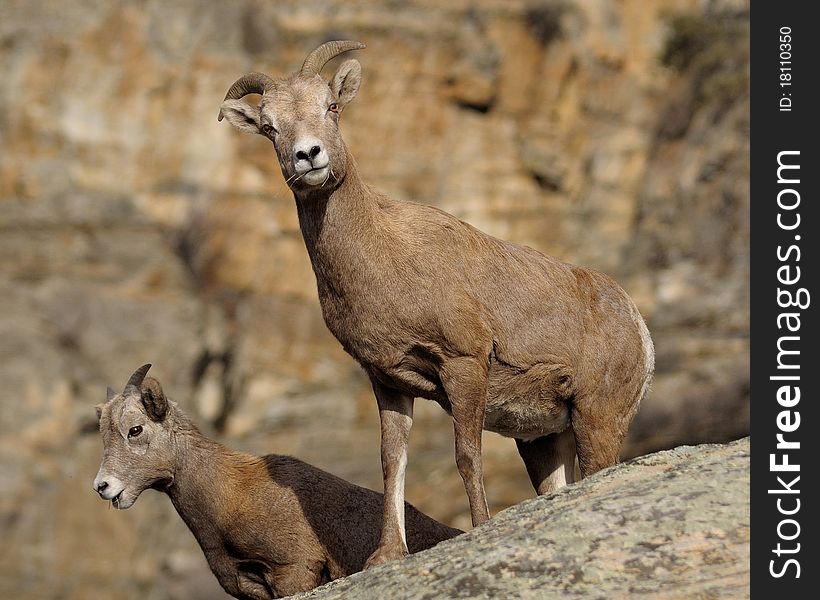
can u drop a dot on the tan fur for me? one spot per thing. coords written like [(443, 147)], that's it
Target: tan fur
[(502, 336), (269, 526)]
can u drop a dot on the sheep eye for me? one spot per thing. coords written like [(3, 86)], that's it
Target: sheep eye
[(333, 107), (267, 128), (135, 431)]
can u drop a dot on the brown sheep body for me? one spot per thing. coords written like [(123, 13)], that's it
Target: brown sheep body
[(502, 336), (269, 526)]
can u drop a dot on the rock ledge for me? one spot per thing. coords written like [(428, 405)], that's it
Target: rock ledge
[(673, 524)]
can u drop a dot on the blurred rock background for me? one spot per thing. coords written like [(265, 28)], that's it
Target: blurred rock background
[(136, 228)]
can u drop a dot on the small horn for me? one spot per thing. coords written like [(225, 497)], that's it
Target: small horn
[(317, 59), (136, 379), (109, 394), (252, 83)]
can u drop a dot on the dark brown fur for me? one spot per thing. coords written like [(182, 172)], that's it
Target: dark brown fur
[(269, 526)]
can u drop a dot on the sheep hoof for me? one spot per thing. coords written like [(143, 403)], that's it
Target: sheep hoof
[(384, 554)]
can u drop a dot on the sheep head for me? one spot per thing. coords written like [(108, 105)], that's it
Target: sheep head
[(138, 450), (300, 115)]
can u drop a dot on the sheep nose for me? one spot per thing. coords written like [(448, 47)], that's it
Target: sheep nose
[(101, 487), (310, 154)]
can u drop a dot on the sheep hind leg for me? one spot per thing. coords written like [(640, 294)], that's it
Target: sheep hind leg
[(550, 460), (598, 438)]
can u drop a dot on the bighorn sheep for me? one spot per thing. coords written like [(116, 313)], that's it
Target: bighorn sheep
[(269, 526), (501, 336)]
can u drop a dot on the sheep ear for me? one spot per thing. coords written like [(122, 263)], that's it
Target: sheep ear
[(153, 399), (345, 83), (109, 396), (241, 115)]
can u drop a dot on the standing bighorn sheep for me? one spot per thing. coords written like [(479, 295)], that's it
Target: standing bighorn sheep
[(503, 337), (269, 526)]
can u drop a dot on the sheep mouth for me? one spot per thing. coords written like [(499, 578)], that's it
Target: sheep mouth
[(122, 501), (125, 499), (317, 176)]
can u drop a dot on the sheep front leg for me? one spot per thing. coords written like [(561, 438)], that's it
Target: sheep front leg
[(248, 588), (237, 580), (288, 580), (465, 383), (396, 417)]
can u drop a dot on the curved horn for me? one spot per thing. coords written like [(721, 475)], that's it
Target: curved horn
[(136, 379), (319, 58), (252, 83)]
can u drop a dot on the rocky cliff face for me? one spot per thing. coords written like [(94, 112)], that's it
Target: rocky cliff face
[(673, 524), (135, 228)]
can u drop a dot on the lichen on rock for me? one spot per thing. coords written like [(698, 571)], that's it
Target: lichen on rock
[(674, 524)]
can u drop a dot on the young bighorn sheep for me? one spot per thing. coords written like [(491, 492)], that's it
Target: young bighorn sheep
[(269, 526), (501, 336)]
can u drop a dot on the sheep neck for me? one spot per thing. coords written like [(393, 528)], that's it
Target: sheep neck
[(204, 484), (338, 222)]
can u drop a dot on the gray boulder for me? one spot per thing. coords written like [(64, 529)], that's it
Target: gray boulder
[(674, 524)]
